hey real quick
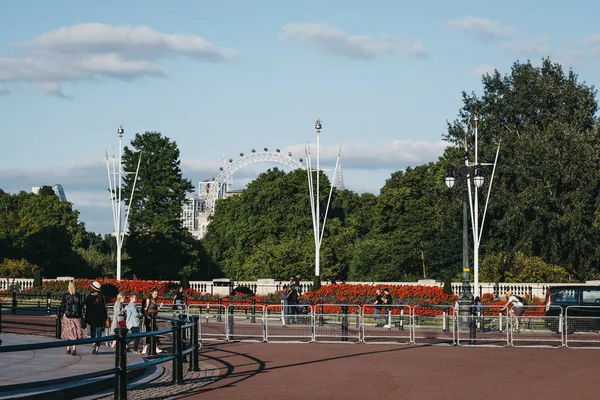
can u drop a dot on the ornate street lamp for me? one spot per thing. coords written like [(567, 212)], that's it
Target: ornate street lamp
[(471, 174), (115, 184), (315, 205)]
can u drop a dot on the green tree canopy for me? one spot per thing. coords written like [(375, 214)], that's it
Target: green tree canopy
[(158, 246)]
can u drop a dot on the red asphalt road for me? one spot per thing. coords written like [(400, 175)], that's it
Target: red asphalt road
[(360, 371)]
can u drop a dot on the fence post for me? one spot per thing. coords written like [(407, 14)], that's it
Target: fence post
[(177, 349), (253, 319), (48, 302), (344, 323), (473, 327), (194, 361), (58, 323), (321, 319), (229, 327), (14, 303), (1, 317), (220, 303), (121, 364)]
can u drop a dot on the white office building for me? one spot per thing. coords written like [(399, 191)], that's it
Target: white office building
[(58, 189)]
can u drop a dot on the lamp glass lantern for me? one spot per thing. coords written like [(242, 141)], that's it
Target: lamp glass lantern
[(478, 179), (450, 180)]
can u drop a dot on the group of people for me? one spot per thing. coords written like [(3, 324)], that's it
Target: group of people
[(289, 301), (79, 310), (382, 300)]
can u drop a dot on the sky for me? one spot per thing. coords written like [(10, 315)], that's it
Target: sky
[(222, 78)]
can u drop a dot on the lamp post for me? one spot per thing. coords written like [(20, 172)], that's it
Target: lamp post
[(115, 184), (465, 298), (471, 173), (315, 206)]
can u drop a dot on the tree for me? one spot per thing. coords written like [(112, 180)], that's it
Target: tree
[(46, 191), (522, 268), (266, 230), (42, 230), (160, 190), (158, 245), (17, 268), (546, 189)]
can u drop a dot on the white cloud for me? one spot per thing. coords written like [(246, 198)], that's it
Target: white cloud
[(362, 47), (85, 180), (535, 46), (573, 58), (53, 89), (486, 29), (395, 155), (483, 70), (95, 51)]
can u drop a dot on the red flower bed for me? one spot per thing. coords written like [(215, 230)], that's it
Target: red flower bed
[(426, 300)]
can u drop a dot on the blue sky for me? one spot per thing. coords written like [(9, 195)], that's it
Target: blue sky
[(229, 76)]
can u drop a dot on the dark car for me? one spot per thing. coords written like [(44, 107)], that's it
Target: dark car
[(574, 301)]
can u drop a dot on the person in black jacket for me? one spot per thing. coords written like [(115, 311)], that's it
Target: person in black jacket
[(292, 299), (72, 310), (96, 313)]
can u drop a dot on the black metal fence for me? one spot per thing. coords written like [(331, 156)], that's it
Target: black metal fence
[(182, 327)]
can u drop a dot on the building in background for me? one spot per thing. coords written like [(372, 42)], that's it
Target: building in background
[(58, 189)]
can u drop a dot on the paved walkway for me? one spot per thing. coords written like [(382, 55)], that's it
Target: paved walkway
[(338, 371), (38, 365)]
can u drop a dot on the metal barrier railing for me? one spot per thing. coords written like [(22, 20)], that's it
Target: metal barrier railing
[(482, 326), (213, 321), (245, 323), (337, 323), (382, 324), (289, 323), (121, 368), (434, 325), (582, 325), (538, 326)]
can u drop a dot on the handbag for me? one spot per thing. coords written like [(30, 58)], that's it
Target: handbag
[(107, 320)]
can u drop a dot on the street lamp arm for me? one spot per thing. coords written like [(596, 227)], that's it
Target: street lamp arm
[(311, 191), (137, 171), (337, 162), (487, 199)]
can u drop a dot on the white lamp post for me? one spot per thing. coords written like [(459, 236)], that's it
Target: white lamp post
[(473, 175), (315, 206), (115, 184)]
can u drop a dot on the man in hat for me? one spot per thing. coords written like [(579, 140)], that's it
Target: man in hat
[(96, 314)]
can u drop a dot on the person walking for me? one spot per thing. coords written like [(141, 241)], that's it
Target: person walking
[(292, 299), (118, 319), (378, 302), (133, 316), (387, 301), (72, 311), (96, 314), (178, 299), (284, 304), (150, 309)]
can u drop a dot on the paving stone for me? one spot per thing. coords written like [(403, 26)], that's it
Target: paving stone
[(163, 388)]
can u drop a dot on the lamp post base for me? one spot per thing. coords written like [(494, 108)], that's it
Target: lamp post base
[(316, 282), (466, 311)]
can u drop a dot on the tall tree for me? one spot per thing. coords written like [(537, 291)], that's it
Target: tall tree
[(158, 245), (545, 194), (161, 189)]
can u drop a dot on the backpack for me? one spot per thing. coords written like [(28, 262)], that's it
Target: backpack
[(522, 300), (72, 306)]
